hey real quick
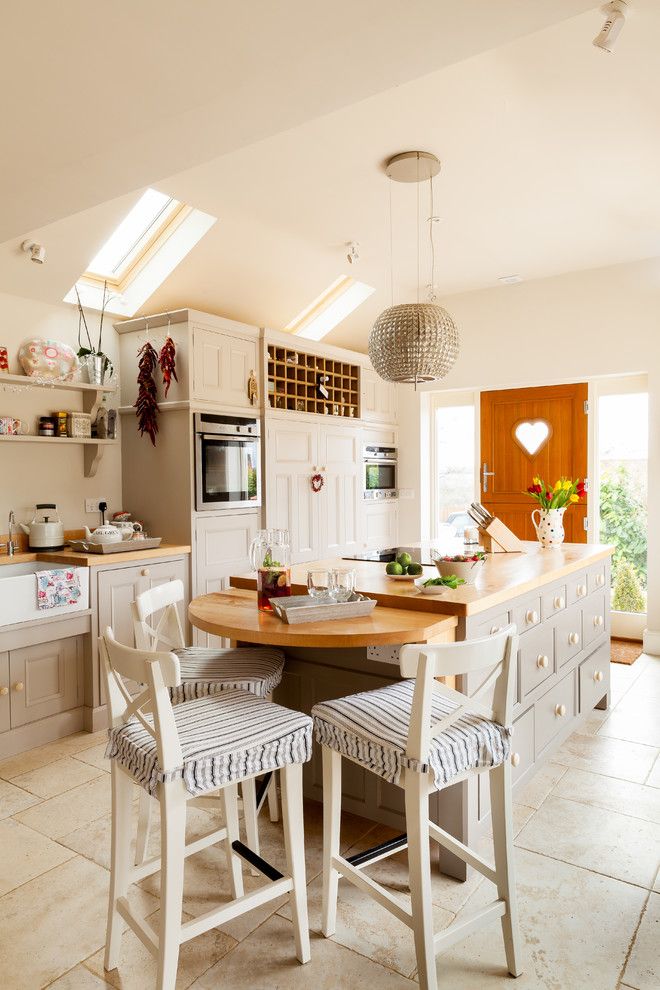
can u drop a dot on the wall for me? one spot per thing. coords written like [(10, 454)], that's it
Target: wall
[(32, 473), (570, 327)]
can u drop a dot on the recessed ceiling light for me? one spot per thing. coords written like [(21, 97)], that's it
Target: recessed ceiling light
[(510, 279)]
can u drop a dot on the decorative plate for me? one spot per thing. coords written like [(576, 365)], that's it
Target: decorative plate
[(400, 577), (41, 357)]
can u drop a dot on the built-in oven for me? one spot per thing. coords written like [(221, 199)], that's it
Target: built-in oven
[(379, 472), (227, 462)]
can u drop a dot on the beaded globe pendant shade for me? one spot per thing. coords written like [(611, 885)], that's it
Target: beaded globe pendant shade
[(414, 342)]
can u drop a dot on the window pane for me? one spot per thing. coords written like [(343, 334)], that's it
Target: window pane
[(623, 468), (148, 214), (454, 481)]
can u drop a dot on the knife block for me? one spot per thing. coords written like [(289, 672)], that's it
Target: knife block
[(498, 538)]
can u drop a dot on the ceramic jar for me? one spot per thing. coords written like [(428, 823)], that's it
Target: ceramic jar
[(550, 526)]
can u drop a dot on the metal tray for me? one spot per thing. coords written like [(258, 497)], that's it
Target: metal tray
[(84, 546), (303, 608)]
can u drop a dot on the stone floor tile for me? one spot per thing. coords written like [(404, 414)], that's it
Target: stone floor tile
[(55, 778), (653, 779), (612, 757), (62, 814), (636, 800), (14, 799), (79, 978), (536, 791), (95, 756), (26, 854), (643, 967)]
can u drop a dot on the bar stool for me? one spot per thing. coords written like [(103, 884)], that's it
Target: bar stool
[(423, 735), (203, 672), (178, 754)]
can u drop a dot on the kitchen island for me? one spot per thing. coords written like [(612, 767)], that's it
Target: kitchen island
[(560, 601)]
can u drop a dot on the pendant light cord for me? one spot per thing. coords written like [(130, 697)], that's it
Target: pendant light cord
[(432, 285), (418, 230), (391, 247)]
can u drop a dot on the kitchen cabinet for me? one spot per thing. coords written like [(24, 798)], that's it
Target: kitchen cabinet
[(324, 523), (222, 364), (377, 398), (381, 524), (221, 547), (4, 692), (45, 679)]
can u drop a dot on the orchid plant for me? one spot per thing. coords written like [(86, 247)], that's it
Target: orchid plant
[(561, 495)]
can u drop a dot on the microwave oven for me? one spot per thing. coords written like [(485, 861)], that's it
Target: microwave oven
[(379, 472), (227, 462)]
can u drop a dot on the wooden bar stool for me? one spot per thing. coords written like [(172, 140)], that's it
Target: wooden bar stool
[(203, 672), (423, 736), (178, 754)]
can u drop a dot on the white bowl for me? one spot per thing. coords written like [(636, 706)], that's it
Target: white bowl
[(469, 570), (433, 589), (400, 577)]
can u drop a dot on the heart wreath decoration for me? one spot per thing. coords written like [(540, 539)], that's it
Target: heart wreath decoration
[(317, 482)]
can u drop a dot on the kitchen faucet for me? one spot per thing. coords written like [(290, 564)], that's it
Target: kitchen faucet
[(11, 546)]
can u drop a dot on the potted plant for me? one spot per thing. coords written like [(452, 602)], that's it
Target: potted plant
[(95, 364), (553, 502)]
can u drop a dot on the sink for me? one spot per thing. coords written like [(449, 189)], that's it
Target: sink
[(18, 593)]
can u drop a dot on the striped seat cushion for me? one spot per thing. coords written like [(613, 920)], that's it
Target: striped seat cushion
[(372, 728), (224, 737), (205, 671)]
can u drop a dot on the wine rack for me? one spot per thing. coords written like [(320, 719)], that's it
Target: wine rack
[(295, 380)]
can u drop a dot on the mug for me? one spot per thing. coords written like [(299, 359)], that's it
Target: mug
[(12, 427)]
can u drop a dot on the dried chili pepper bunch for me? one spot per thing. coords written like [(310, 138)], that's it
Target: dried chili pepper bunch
[(167, 362), (146, 405)]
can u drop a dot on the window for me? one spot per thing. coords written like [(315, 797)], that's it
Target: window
[(453, 460), (330, 308), (153, 238)]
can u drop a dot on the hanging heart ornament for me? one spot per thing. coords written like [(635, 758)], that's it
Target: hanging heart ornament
[(317, 482)]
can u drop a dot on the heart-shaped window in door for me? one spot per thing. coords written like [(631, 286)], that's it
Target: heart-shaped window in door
[(532, 435)]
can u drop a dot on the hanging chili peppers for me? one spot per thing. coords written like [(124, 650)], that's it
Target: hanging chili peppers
[(146, 405), (167, 362)]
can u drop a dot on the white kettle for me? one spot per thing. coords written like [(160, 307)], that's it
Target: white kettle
[(103, 534), (45, 533)]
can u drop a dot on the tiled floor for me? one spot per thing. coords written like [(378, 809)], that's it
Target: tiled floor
[(588, 849)]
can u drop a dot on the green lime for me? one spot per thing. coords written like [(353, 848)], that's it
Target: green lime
[(404, 559), (393, 567), (415, 568)]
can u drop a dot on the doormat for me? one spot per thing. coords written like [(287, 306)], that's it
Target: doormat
[(625, 651)]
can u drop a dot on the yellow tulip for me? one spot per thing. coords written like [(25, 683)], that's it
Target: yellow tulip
[(574, 498), (536, 481), (558, 485), (567, 484)]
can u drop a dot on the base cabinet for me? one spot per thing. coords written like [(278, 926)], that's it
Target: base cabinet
[(45, 679), (221, 548), (381, 524)]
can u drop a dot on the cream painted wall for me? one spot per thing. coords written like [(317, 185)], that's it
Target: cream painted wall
[(572, 327), (32, 473)]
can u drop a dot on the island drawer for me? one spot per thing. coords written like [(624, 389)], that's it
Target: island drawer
[(554, 711), (553, 601), (522, 757), (537, 658), (568, 635), (527, 613), (597, 576), (577, 587), (594, 618), (488, 627), (594, 677)]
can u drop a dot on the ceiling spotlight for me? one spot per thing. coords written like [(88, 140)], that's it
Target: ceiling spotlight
[(510, 279), (615, 18), (353, 253), (36, 251)]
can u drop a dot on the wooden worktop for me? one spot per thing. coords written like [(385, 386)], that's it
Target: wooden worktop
[(71, 558), (234, 614), (503, 577)]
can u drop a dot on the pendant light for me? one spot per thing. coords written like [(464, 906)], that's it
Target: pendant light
[(414, 342)]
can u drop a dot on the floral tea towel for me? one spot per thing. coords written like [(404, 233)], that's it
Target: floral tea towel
[(57, 588)]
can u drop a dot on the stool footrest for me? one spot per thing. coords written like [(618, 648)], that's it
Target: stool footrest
[(255, 860), (380, 851)]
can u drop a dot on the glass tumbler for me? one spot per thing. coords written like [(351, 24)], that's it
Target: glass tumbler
[(342, 584), (318, 584)]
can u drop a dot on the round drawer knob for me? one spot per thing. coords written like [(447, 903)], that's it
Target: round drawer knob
[(600, 580), (4, 690), (532, 616), (495, 629), (542, 661), (574, 639), (559, 602), (145, 572), (19, 686), (581, 590), (598, 621), (560, 710), (515, 759), (598, 675)]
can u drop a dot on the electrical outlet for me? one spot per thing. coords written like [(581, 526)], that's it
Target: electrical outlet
[(406, 493), (92, 504)]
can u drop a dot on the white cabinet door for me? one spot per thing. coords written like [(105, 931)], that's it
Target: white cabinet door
[(222, 364), (222, 548), (45, 679), (292, 452), (381, 524), (378, 398), (341, 456)]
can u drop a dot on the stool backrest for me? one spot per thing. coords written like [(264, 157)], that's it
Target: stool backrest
[(166, 631), (498, 654), (158, 672)]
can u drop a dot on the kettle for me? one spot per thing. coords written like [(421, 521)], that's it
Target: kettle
[(104, 534), (45, 533)]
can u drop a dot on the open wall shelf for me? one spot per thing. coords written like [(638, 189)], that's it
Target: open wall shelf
[(294, 379)]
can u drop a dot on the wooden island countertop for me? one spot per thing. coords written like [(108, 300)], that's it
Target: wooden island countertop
[(503, 577)]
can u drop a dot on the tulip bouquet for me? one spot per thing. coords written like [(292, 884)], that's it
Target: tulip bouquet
[(563, 493)]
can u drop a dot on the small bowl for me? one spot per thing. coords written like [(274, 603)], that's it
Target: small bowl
[(433, 589), (469, 570)]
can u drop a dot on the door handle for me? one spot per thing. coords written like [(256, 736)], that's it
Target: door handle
[(486, 474)]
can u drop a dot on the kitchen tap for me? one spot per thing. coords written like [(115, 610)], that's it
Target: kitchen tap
[(11, 546)]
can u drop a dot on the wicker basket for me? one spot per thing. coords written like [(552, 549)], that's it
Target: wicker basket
[(79, 424)]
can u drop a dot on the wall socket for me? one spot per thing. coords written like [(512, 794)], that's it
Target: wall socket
[(92, 504)]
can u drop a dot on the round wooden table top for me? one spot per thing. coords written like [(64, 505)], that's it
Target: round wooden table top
[(234, 614)]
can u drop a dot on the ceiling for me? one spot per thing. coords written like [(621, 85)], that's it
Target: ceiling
[(550, 148)]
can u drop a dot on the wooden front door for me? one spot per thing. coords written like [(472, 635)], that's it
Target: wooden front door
[(527, 432)]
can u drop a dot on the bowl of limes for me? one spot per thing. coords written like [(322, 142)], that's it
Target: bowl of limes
[(463, 565), (404, 568)]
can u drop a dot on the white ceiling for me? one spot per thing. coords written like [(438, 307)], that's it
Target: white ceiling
[(550, 148)]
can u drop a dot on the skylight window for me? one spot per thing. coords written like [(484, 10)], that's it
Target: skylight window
[(144, 222), (330, 308)]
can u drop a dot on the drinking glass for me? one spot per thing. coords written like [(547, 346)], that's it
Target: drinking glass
[(342, 584), (318, 583)]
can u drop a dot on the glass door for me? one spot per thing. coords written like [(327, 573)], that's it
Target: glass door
[(453, 479)]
